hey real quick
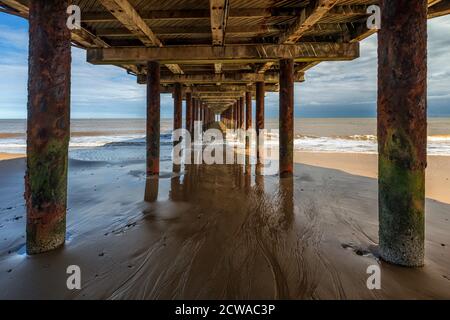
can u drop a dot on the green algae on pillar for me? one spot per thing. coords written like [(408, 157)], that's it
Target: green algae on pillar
[(402, 130), (48, 125)]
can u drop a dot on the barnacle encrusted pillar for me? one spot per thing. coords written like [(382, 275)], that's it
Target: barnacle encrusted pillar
[(286, 118), (402, 130), (48, 125)]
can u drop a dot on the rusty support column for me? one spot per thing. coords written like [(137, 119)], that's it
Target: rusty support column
[(259, 123), (189, 113), (203, 115), (247, 127), (153, 117), (402, 130), (286, 117), (48, 125), (235, 114), (177, 107), (242, 114), (248, 111)]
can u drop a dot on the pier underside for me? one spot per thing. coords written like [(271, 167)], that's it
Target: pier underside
[(218, 55)]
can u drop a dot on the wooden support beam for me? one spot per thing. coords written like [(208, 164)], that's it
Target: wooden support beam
[(224, 78), (360, 32), (153, 118), (286, 118), (402, 130), (218, 68), (130, 18), (48, 126), (219, 16), (81, 37), (308, 51), (225, 88), (266, 66), (196, 14), (439, 9), (206, 31), (221, 78), (306, 20), (19, 8), (174, 68), (160, 15)]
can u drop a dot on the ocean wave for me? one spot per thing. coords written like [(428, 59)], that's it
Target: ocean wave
[(437, 144)]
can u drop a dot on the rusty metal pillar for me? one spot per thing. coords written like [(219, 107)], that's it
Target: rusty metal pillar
[(248, 111), (203, 115), (259, 123), (235, 114), (189, 113), (242, 113), (177, 107), (48, 125), (177, 116), (247, 127), (402, 130), (153, 117), (286, 117)]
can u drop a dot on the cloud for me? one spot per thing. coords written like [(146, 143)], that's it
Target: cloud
[(331, 88)]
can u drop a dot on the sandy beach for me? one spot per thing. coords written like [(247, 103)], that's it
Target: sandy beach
[(215, 233), (9, 156)]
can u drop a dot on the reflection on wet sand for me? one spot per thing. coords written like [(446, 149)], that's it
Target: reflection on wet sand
[(205, 232)]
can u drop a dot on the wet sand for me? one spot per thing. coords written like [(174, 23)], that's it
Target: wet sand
[(8, 156), (214, 232)]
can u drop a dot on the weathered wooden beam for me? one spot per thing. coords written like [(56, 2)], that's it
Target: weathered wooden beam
[(306, 20), (305, 66), (218, 68), (219, 16), (337, 11), (439, 9), (158, 15), (238, 89), (48, 125), (21, 9), (91, 17), (402, 130), (309, 51), (206, 31), (130, 18), (223, 78), (266, 66), (360, 32), (286, 118), (81, 37)]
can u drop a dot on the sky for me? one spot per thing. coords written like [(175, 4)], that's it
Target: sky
[(332, 89)]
